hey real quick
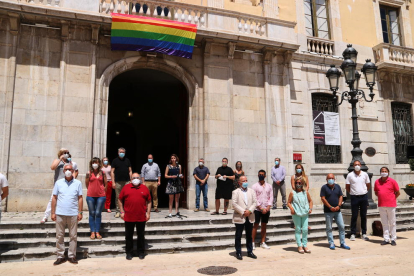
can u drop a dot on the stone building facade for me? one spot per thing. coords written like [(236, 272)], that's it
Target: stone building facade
[(250, 87)]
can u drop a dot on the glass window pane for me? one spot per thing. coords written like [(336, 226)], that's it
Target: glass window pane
[(385, 37), (321, 11), (308, 9), (323, 34), (384, 26), (320, 2), (383, 14), (396, 39), (322, 24)]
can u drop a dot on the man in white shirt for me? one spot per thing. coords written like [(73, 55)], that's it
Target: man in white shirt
[(357, 185), (4, 187)]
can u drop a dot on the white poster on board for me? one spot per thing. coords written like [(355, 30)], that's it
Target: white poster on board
[(332, 129)]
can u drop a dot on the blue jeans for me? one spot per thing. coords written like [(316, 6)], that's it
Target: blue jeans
[(95, 206), (199, 189), (301, 227), (339, 221)]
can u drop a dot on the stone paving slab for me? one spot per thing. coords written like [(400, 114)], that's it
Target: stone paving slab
[(364, 258)]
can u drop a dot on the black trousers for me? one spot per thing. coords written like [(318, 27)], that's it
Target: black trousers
[(248, 227), (129, 236), (359, 203)]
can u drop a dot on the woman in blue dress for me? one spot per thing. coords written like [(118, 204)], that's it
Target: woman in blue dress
[(174, 185)]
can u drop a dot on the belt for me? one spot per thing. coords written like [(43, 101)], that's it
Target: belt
[(359, 195), (151, 179)]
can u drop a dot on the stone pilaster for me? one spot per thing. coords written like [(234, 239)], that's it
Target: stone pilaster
[(270, 8)]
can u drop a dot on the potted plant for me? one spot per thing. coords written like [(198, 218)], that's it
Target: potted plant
[(409, 190), (411, 162)]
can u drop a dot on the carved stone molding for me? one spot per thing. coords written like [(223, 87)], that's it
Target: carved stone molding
[(232, 48), (95, 33), (268, 56), (64, 31), (207, 45), (14, 23)]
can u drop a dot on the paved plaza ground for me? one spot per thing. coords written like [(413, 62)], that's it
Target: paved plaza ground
[(364, 258)]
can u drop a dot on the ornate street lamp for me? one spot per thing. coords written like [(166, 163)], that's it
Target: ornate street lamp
[(354, 94)]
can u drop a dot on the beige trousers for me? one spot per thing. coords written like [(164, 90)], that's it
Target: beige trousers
[(72, 223), (153, 187), (118, 187)]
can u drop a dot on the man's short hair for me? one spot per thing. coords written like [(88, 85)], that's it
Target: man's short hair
[(263, 171), (278, 158), (68, 165), (356, 161), (225, 158), (121, 149), (388, 170), (201, 159)]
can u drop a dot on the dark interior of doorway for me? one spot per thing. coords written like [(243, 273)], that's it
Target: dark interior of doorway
[(148, 113)]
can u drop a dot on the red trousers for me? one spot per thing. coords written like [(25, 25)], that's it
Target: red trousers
[(108, 195)]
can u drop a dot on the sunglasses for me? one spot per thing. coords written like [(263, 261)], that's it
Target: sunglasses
[(66, 152), (298, 183)]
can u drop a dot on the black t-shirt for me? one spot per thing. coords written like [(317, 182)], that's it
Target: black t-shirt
[(121, 167), (227, 171), (331, 195)]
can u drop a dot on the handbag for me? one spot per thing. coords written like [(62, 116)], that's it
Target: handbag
[(377, 228)]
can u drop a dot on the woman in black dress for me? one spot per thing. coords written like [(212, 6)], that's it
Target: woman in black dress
[(174, 185)]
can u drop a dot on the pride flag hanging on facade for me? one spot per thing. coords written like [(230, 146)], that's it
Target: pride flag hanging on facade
[(138, 33)]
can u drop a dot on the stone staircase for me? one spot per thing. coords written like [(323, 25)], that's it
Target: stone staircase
[(24, 239)]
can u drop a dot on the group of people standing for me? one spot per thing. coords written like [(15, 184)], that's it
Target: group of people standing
[(252, 205)]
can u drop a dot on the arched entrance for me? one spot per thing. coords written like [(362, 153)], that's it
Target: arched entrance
[(148, 113)]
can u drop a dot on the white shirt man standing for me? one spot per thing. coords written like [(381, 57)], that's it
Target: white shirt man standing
[(4, 187), (357, 185), (67, 204)]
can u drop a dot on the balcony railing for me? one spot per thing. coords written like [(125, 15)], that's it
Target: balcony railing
[(320, 46), (396, 55)]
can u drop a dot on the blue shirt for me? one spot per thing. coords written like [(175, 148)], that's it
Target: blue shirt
[(332, 196), (201, 173), (68, 193), (278, 173)]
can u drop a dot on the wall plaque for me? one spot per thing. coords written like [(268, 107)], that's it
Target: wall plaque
[(370, 151)]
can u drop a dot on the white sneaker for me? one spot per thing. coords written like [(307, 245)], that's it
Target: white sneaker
[(264, 246), (352, 238), (254, 247), (365, 237)]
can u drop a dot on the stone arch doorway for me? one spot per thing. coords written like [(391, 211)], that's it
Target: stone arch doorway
[(148, 113), (193, 99)]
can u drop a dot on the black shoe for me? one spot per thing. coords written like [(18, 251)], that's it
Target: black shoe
[(129, 257), (385, 242), (59, 261), (141, 256), (274, 208), (285, 208), (239, 256), (251, 255), (178, 215), (73, 260), (393, 243)]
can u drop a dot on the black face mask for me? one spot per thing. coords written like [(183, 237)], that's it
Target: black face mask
[(261, 177)]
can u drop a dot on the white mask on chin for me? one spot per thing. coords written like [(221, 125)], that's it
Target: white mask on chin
[(135, 182)]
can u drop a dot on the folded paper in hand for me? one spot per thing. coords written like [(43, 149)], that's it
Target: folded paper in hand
[(221, 178)]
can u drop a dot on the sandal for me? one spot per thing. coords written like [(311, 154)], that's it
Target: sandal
[(43, 221), (215, 213), (92, 235), (224, 213), (300, 250), (98, 236), (306, 250)]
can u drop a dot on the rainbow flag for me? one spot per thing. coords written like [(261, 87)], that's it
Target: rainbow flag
[(138, 33)]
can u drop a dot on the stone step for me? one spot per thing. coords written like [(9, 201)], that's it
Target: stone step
[(276, 215), (151, 239), (164, 230), (32, 254)]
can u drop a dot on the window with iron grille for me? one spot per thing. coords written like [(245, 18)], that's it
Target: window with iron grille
[(403, 130), (326, 153), (316, 18), (390, 25)]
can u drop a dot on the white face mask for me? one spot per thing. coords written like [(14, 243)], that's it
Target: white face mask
[(201, 164), (135, 182), (68, 174), (357, 168), (95, 166), (383, 174)]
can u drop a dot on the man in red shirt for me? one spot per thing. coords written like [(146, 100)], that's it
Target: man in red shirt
[(135, 205), (387, 191)]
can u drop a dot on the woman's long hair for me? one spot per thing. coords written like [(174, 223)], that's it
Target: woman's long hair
[(177, 160), (303, 181), (303, 171), (94, 160)]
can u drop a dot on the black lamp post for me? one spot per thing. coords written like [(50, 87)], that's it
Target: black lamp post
[(352, 78)]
